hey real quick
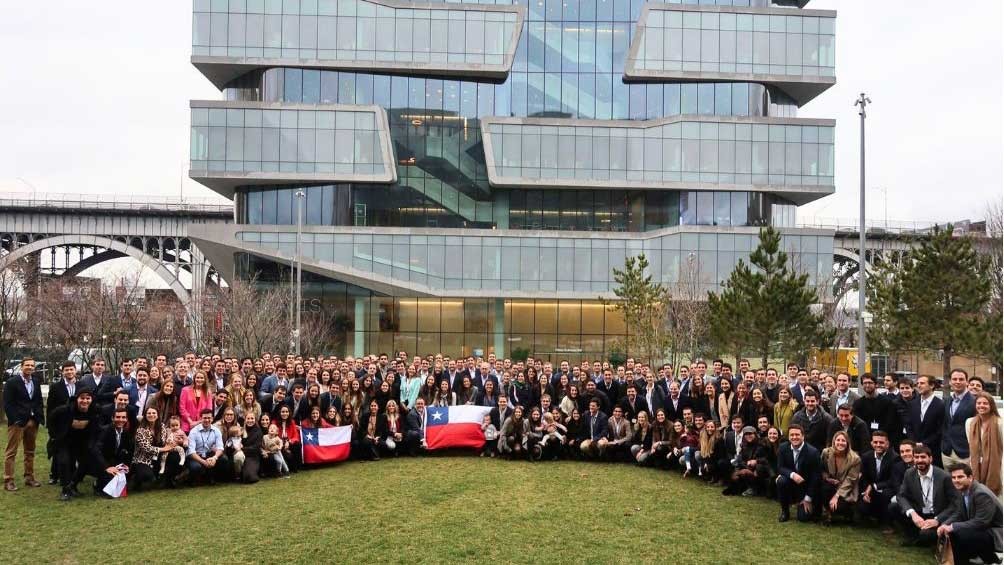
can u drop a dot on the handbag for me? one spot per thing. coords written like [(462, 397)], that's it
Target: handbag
[(944, 551)]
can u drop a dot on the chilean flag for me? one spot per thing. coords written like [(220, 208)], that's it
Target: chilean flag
[(326, 445), (455, 426)]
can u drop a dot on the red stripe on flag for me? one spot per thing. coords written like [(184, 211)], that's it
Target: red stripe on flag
[(326, 453), (454, 435)]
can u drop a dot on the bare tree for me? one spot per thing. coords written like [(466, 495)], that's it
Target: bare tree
[(12, 312), (688, 314), (994, 256), (12, 318), (254, 320), (316, 332), (64, 314)]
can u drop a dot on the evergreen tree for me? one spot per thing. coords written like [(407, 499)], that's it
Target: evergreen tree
[(765, 307), (643, 304), (936, 300)]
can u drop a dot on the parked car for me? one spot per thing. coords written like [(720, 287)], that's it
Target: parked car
[(42, 370)]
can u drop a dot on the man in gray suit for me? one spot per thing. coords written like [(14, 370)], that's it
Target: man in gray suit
[(926, 498), (842, 395), (975, 525)]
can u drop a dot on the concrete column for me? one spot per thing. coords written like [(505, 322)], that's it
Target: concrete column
[(194, 306), (499, 311), (359, 328)]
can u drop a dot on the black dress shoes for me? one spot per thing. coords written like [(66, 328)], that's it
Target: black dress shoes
[(784, 516)]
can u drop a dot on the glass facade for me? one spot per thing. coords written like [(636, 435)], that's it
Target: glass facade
[(579, 210), (726, 151), (521, 95), (679, 39), (364, 33), (550, 329), (452, 153), (347, 143), (420, 261)]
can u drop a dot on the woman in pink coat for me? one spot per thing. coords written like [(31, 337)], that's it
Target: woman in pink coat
[(194, 398)]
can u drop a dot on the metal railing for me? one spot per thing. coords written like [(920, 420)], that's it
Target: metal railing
[(130, 202), (880, 226)]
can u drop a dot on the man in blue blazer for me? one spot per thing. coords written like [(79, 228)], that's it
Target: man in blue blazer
[(596, 426), (798, 476), (22, 404), (959, 407)]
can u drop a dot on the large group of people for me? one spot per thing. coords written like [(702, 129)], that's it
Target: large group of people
[(891, 454)]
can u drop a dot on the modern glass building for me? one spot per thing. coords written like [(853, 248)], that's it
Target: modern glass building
[(471, 173)]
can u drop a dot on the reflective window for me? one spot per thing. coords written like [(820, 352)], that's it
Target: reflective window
[(727, 152), (256, 140), (346, 30)]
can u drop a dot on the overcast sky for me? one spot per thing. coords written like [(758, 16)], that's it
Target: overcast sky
[(96, 100)]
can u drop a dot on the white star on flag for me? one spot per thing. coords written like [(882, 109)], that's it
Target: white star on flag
[(310, 436), (437, 415)]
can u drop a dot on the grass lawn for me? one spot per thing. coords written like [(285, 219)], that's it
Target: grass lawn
[(453, 508)]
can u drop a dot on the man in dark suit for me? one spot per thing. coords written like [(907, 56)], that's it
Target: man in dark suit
[(220, 405), (60, 392), (959, 407), (855, 428), (975, 525), (927, 417), (331, 398), (102, 384), (468, 370), (596, 424), (881, 471), (631, 404), (273, 402), (675, 403), (114, 447), (875, 409), (610, 387), (813, 420), (798, 476), (500, 412), (121, 403), (926, 499), (22, 404), (72, 430), (732, 443), (414, 437), (593, 392)]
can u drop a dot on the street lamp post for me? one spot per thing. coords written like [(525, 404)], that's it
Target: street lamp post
[(300, 195), (862, 102)]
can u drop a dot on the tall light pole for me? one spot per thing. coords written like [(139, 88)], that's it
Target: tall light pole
[(300, 195), (862, 102)]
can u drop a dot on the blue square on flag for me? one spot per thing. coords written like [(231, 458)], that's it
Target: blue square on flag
[(438, 416), (309, 436)]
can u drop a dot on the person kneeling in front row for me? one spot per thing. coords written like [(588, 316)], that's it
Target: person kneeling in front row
[(926, 499), (205, 451), (975, 525), (595, 431), (798, 475)]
